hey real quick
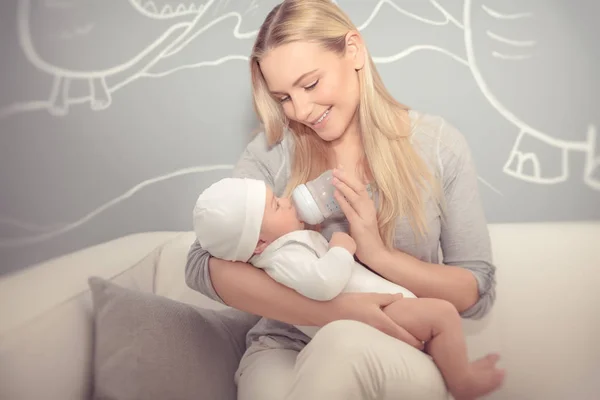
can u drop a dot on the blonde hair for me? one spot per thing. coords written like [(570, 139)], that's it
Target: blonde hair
[(400, 176)]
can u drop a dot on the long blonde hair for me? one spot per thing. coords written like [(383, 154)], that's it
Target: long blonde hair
[(401, 177)]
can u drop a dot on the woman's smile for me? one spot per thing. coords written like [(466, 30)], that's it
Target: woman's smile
[(320, 122)]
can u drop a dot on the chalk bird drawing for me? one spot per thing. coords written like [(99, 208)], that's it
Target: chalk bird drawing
[(68, 39)]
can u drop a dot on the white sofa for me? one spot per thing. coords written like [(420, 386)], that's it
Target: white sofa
[(545, 323)]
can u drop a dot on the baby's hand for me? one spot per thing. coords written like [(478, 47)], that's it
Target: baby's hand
[(316, 228), (344, 240)]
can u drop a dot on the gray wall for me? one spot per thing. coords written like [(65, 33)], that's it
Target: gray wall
[(114, 117)]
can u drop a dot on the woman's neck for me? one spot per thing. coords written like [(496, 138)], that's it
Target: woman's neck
[(348, 151)]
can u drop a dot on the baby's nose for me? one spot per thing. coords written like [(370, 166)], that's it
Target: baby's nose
[(288, 203)]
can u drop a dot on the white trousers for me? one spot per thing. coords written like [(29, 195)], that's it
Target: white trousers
[(346, 360)]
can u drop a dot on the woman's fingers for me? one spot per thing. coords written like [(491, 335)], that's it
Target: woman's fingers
[(356, 185), (385, 299), (346, 207), (388, 326), (347, 191)]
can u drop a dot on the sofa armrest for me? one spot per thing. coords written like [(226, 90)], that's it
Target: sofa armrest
[(46, 325)]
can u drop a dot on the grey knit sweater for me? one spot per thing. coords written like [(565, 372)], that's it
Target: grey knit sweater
[(462, 238)]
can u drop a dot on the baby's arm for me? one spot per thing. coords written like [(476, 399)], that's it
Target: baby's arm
[(297, 266)]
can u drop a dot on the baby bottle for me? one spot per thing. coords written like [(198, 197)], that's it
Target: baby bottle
[(314, 200)]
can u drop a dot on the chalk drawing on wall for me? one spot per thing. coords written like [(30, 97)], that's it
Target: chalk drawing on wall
[(82, 27), (44, 233), (522, 164), (76, 27), (178, 25), (184, 25)]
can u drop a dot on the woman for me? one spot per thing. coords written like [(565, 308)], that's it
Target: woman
[(323, 104)]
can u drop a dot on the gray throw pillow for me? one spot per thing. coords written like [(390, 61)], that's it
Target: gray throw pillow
[(150, 347)]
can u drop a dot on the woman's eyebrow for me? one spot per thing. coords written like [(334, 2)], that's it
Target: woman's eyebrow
[(297, 81)]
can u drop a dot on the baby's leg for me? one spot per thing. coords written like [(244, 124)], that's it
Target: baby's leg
[(437, 323)]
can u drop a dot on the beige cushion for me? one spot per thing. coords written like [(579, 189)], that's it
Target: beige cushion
[(150, 347)]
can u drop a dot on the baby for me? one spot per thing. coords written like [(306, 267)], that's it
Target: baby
[(242, 220)]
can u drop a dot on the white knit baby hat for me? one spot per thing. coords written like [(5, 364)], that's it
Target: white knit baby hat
[(228, 217)]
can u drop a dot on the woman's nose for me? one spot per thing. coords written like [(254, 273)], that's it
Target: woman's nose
[(302, 109)]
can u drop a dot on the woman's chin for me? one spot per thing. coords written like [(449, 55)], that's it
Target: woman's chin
[(330, 135)]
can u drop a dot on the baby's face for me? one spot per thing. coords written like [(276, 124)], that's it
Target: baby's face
[(280, 218)]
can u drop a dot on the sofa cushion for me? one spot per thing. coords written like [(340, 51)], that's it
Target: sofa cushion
[(150, 347)]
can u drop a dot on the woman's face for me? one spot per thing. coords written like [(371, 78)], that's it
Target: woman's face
[(316, 87)]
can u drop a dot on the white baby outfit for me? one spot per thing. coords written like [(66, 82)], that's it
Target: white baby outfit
[(303, 261)]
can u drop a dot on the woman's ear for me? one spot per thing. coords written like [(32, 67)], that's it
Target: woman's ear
[(261, 246), (355, 50)]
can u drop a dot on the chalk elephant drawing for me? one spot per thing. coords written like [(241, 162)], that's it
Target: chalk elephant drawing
[(92, 40), (506, 59)]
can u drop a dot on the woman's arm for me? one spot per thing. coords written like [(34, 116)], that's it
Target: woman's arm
[(454, 284), (467, 276), (250, 289), (247, 288)]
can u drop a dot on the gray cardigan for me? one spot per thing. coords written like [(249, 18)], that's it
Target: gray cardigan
[(463, 237)]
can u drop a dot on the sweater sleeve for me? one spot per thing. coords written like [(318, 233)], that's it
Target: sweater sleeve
[(465, 239), (256, 162)]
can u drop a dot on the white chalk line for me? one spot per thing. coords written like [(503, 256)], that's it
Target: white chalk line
[(149, 9), (490, 186), (412, 49), (80, 31), (512, 42), (197, 65), (447, 17), (236, 31), (70, 226), (593, 161), (28, 226), (509, 57), (495, 14)]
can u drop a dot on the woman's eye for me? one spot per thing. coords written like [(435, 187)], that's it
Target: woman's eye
[(309, 87), (312, 85)]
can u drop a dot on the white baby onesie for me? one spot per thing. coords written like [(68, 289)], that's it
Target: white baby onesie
[(303, 261)]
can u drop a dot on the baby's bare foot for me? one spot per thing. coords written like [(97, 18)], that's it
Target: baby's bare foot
[(483, 378)]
